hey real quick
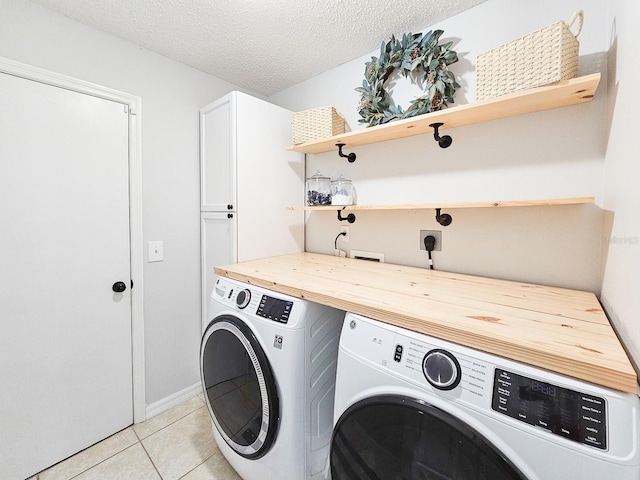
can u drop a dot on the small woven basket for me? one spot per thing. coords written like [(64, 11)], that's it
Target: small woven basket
[(316, 123), (545, 56)]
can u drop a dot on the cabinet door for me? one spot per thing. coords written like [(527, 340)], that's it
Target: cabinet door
[(218, 155), (218, 247)]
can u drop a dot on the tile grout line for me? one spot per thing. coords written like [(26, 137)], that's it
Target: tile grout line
[(210, 456), (37, 477), (202, 463), (168, 424), (157, 431), (139, 440), (102, 461), (150, 459)]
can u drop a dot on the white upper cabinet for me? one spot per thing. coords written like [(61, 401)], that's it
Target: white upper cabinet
[(218, 155)]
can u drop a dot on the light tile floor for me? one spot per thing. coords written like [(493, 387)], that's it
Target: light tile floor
[(176, 444)]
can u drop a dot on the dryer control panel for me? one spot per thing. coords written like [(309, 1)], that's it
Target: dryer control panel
[(568, 413)]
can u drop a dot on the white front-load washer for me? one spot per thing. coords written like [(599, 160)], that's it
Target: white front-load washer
[(268, 366), (409, 406)]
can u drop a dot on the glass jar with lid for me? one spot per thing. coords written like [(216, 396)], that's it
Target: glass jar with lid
[(342, 192), (318, 190)]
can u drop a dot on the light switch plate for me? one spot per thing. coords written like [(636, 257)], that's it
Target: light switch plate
[(156, 251)]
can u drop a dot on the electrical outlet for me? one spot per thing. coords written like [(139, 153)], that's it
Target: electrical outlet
[(345, 229), (436, 233)]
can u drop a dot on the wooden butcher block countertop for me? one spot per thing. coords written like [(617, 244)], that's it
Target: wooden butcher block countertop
[(562, 330)]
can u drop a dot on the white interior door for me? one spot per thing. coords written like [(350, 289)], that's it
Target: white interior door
[(65, 335)]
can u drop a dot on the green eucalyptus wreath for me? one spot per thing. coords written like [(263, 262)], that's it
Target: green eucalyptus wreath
[(412, 54)]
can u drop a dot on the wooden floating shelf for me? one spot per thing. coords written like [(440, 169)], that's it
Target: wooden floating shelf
[(560, 94), (417, 206)]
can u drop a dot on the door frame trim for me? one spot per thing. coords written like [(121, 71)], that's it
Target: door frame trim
[(133, 103)]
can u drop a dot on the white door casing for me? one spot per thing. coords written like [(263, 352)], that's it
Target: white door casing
[(59, 227)]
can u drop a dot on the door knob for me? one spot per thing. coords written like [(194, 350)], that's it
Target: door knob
[(119, 287)]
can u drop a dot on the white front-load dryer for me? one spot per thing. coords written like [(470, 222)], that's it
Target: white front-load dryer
[(409, 406), (268, 366)]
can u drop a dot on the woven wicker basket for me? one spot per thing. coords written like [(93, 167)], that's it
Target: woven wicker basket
[(320, 122), (545, 56)]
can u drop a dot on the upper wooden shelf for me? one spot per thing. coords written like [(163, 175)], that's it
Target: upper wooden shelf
[(560, 94), (421, 206)]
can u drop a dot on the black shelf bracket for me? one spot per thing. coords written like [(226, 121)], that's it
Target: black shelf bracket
[(443, 219), (351, 218), (350, 157), (444, 141)]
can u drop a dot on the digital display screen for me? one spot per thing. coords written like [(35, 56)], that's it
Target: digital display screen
[(274, 309), (543, 388), (570, 414)]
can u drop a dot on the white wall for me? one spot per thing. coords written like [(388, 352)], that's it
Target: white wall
[(552, 154), (621, 238), (586, 150), (171, 96)]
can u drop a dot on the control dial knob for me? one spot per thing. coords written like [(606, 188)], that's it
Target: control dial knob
[(441, 369), (243, 298)]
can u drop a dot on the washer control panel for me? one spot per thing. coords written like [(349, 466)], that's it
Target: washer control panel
[(258, 302), (274, 309), (568, 413), (441, 369), (243, 298), (433, 362)]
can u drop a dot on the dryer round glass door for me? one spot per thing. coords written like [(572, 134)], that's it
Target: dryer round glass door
[(392, 437), (239, 386)]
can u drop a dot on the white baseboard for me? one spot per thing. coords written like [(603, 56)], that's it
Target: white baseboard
[(172, 400)]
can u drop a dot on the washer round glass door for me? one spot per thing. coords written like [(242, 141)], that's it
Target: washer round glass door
[(391, 437), (239, 386)]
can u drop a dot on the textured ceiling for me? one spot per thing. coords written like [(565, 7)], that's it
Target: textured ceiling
[(264, 46)]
